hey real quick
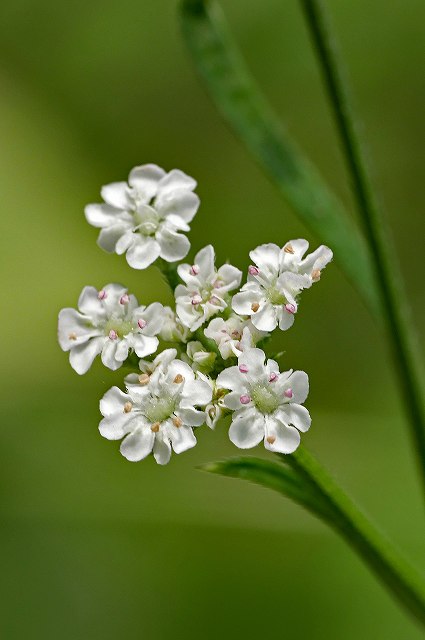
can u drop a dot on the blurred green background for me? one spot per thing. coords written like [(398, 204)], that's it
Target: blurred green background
[(92, 546)]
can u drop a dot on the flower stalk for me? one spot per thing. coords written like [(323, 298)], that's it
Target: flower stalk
[(400, 329)]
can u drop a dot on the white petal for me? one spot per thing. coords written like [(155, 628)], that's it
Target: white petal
[(197, 392), (286, 439), (108, 355), (81, 357), (113, 402), (138, 444), (191, 417), (265, 318), (292, 283), (145, 180), (153, 315), (254, 360), (231, 276), (316, 260), (145, 345), (102, 215), (247, 429), (116, 194), (266, 256), (295, 414), (298, 382), (182, 204), (175, 180), (205, 259), (162, 450), (242, 301), (231, 378), (123, 347), (109, 237), (286, 319), (232, 400), (89, 302), (125, 241), (73, 329), (182, 438), (173, 246), (143, 252)]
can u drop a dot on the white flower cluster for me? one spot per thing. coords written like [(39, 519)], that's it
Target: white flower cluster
[(206, 361)]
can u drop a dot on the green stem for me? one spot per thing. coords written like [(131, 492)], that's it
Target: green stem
[(400, 329), (357, 530)]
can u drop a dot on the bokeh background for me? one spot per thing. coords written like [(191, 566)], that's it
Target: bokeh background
[(92, 546)]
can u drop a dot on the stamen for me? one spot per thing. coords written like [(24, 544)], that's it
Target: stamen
[(141, 323), (273, 377), (211, 412), (245, 399), (271, 439), (255, 306), (102, 294), (253, 271), (214, 300), (125, 299), (128, 407), (155, 427), (289, 249), (194, 270), (144, 379), (113, 335), (316, 274), (243, 368), (236, 335), (196, 299), (290, 308), (288, 393), (72, 336), (177, 422), (178, 379)]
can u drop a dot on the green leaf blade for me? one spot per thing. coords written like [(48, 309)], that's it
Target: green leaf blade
[(248, 114)]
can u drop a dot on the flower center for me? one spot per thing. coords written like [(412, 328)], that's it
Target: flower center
[(264, 398), (120, 327), (275, 296), (147, 222), (159, 409)]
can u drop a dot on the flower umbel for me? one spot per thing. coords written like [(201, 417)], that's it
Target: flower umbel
[(212, 326)]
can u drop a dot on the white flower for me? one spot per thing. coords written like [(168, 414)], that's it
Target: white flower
[(266, 404), (206, 290), (227, 334), (269, 296), (156, 414), (143, 217), (109, 322), (172, 329)]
